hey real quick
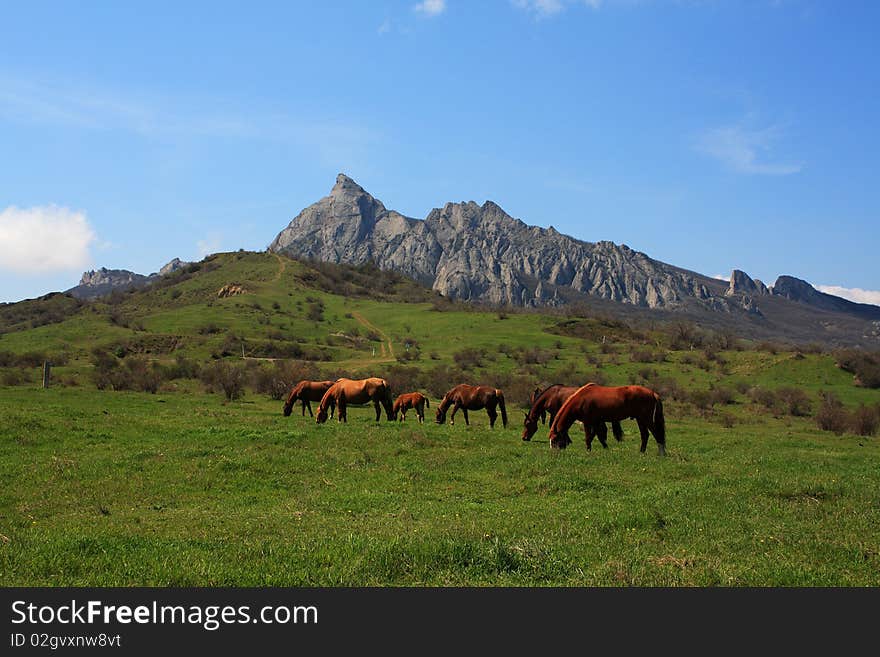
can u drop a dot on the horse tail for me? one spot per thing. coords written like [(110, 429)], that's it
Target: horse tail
[(427, 403), (500, 396), (659, 421)]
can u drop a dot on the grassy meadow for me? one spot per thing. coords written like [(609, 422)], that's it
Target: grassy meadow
[(185, 487)]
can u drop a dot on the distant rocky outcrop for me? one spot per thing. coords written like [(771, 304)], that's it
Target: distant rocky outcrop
[(99, 282), (172, 266), (480, 253), (799, 290), (742, 283)]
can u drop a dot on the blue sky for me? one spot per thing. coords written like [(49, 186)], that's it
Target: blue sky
[(710, 135)]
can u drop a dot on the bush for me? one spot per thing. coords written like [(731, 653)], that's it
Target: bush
[(133, 373), (864, 366), (832, 416), (764, 397), (794, 401), (722, 395), (277, 379), (865, 420), (469, 358), (225, 377)]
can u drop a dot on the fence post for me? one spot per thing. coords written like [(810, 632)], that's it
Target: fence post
[(47, 366)]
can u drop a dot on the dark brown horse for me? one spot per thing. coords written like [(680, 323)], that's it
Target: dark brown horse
[(362, 391), (549, 401), (410, 400), (306, 391), (472, 398), (594, 403)]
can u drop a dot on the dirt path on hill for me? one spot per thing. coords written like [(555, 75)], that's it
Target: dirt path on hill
[(281, 267), (384, 354)]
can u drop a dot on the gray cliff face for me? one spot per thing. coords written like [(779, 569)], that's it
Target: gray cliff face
[(800, 291), (742, 283), (480, 253), (99, 282)]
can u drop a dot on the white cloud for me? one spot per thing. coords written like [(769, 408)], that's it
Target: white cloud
[(431, 7), (544, 8), (385, 27), (744, 150), (44, 239), (856, 294), (721, 277), (209, 245)]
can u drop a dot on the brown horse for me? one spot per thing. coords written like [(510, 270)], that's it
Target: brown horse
[(410, 400), (306, 391), (549, 401), (594, 403), (362, 391), (472, 398)]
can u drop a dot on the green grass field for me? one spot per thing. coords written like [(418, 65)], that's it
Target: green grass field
[(182, 488), (115, 488)]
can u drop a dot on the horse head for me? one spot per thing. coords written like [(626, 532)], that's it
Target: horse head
[(530, 426), (440, 417), (291, 400)]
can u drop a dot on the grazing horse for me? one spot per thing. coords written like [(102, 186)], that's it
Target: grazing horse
[(594, 403), (549, 401), (410, 400), (361, 391), (472, 398), (306, 391)]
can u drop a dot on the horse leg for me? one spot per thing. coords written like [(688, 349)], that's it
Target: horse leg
[(308, 406), (454, 411), (493, 415), (378, 409), (601, 433), (617, 430), (466, 420), (420, 412), (341, 415), (588, 437), (643, 429)]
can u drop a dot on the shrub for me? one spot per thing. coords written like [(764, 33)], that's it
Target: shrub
[(832, 416), (794, 401), (722, 395), (134, 373), (865, 420), (225, 377), (469, 358), (764, 397), (864, 366), (277, 379)]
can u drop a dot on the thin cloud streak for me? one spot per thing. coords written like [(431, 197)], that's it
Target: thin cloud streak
[(744, 150), (856, 294), (331, 139), (431, 8)]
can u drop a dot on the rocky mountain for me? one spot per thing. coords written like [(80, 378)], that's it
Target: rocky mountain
[(798, 290), (97, 283), (480, 253)]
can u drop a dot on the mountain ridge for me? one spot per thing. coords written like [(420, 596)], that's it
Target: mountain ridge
[(479, 253)]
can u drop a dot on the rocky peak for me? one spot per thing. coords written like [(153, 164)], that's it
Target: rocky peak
[(795, 289), (345, 186), (742, 283), (172, 266)]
